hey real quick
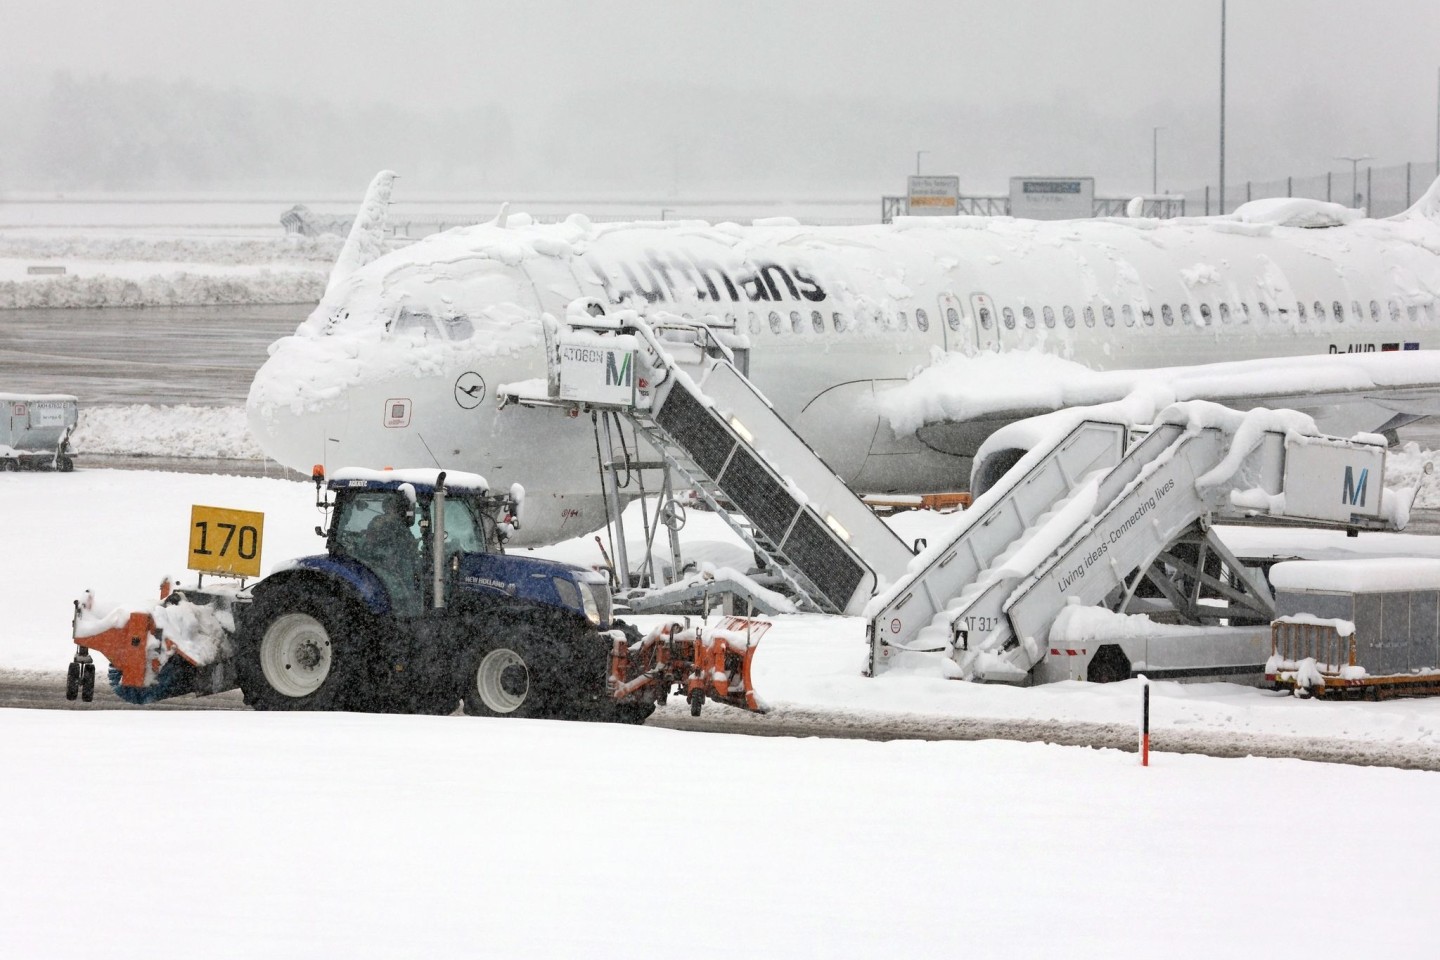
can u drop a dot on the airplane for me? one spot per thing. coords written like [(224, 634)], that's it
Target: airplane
[(1293, 303)]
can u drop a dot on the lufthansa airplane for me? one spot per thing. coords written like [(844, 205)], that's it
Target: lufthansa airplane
[(1292, 303)]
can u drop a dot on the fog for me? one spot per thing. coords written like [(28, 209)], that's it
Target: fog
[(701, 100)]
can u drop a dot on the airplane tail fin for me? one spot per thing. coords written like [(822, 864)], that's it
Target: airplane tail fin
[(1427, 206), (366, 241)]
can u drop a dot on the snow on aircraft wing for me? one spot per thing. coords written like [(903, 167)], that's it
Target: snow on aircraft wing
[(1345, 393)]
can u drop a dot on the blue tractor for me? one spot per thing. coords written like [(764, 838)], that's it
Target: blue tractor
[(415, 607)]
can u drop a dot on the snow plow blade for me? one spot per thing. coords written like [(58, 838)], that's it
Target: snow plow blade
[(702, 663)]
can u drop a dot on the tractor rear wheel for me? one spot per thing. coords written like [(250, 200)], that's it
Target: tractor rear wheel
[(515, 677), (298, 651)]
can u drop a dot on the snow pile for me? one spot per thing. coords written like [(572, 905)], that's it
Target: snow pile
[(1080, 626), (185, 288), (181, 430), (1379, 575), (235, 251)]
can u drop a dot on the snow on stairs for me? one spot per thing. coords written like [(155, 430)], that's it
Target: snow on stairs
[(915, 612)]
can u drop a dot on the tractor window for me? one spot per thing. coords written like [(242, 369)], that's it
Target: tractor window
[(463, 531), (371, 528)]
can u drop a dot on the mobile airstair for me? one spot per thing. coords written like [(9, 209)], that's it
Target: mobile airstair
[(677, 382), (1087, 521)]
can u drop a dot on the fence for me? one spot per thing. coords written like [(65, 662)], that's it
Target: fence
[(1384, 191)]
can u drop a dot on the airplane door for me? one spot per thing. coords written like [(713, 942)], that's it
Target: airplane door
[(985, 323), (957, 338)]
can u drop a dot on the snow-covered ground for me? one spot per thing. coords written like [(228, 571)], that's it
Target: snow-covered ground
[(222, 834)]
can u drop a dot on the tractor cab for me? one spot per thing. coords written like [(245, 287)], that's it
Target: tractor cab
[(386, 521)]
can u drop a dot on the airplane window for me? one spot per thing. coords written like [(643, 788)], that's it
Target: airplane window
[(1414, 312), (1338, 310), (1300, 310), (409, 320), (1029, 316), (985, 318), (1128, 312), (797, 324), (1224, 313), (1244, 312), (457, 328), (902, 321), (1167, 314), (1009, 316), (1394, 312), (1320, 312), (1089, 316), (1374, 311), (1205, 314), (1355, 310), (774, 322), (838, 319), (1069, 315), (1148, 315), (952, 317), (1185, 314), (754, 322), (1049, 317), (1109, 313), (817, 320), (922, 320)]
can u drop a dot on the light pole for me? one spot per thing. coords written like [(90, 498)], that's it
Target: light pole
[(1155, 160), (1354, 166), (918, 154)]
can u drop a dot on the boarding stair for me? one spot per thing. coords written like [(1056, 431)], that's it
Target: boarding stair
[(717, 431), (1087, 521)]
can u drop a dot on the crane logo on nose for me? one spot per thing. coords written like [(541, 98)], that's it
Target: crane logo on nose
[(469, 389)]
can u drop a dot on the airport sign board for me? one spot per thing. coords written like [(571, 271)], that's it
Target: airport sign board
[(934, 196), (1052, 198)]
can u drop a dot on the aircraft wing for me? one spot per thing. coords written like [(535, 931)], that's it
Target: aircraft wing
[(952, 405)]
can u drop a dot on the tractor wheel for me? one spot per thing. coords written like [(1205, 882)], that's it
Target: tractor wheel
[(10, 466), (298, 651), (64, 464), (515, 677), (87, 682), (72, 682)]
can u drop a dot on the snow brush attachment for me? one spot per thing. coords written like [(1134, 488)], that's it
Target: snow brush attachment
[(146, 664), (701, 662)]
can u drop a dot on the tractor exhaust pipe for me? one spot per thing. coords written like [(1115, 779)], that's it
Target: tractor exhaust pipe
[(437, 544)]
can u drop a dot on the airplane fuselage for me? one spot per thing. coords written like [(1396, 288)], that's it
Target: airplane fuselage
[(399, 363)]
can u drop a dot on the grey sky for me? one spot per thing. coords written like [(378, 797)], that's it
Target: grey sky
[(988, 88)]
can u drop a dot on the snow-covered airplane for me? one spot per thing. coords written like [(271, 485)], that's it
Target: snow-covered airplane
[(894, 350)]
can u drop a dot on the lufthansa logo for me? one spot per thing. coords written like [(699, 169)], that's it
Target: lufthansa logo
[(469, 390)]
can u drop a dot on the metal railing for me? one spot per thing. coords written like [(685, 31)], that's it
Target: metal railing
[(1321, 642), (1383, 191), (1163, 208)]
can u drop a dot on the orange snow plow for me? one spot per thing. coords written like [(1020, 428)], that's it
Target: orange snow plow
[(700, 662)]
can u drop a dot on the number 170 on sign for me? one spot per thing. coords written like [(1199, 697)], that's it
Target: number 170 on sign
[(225, 541)]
